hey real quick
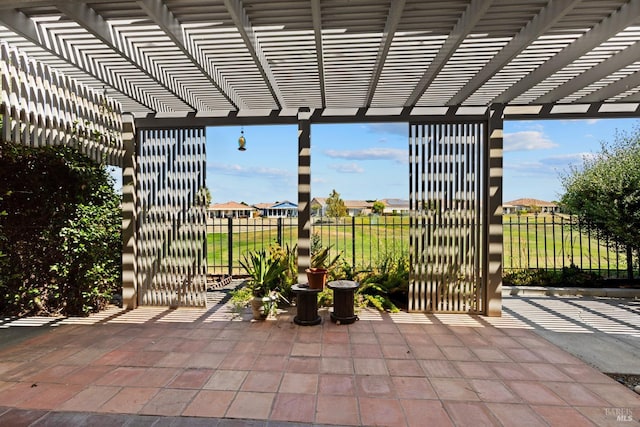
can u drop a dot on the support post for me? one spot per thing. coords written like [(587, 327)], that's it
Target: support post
[(492, 275), (129, 220), (304, 193)]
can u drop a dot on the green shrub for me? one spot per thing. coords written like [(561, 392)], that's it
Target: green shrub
[(60, 235), (240, 298), (384, 283), (567, 276)]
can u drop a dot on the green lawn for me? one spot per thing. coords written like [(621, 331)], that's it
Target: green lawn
[(367, 239), (550, 242)]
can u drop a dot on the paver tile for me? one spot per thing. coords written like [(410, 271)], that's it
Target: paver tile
[(340, 410), (562, 416), (471, 414), (294, 407), (336, 385), (251, 405), (453, 389), (168, 402), (413, 388), (264, 381), (381, 412), (210, 403), (369, 366), (91, 397), (299, 383), (420, 413), (516, 414), (191, 378), (129, 400), (226, 380)]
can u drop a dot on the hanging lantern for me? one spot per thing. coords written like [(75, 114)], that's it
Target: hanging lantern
[(241, 141)]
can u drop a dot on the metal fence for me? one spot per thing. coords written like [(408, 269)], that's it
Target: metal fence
[(548, 242), (551, 242), (362, 241)]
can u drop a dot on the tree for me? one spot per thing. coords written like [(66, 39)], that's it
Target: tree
[(604, 192), (335, 205), (378, 207), (204, 196)]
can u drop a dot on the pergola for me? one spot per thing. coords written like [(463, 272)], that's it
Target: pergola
[(453, 71)]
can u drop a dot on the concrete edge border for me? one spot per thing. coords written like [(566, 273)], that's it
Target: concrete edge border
[(527, 291)]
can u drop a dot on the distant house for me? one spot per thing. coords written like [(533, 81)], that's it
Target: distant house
[(395, 206), (319, 206), (354, 207), (529, 205), (358, 207), (283, 209), (229, 210)]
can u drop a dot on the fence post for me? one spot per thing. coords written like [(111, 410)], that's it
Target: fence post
[(629, 263), (353, 242), (230, 244), (279, 231)]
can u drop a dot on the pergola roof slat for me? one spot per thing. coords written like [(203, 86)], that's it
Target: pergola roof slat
[(214, 58)]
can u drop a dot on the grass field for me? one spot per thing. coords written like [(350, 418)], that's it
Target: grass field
[(543, 241), (551, 242)]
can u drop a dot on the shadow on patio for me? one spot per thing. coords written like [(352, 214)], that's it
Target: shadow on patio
[(207, 367)]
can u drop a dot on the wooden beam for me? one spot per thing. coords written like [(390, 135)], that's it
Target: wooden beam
[(548, 16), (607, 28), (474, 12), (164, 18), (243, 24)]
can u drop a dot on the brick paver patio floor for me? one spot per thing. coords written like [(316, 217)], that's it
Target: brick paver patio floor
[(154, 366)]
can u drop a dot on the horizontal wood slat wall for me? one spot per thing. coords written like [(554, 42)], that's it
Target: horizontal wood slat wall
[(41, 107), (446, 189), (171, 213)]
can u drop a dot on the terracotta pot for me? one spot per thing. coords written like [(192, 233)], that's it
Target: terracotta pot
[(317, 277)]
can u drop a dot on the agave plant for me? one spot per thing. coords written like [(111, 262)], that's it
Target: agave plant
[(264, 272), (322, 259)]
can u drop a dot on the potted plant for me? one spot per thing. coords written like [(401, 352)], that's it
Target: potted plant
[(320, 264), (265, 274)]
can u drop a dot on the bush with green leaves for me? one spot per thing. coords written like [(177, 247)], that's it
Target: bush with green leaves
[(61, 233), (604, 192), (384, 284), (571, 276)]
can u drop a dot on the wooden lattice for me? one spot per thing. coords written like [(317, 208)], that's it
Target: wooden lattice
[(446, 192), (41, 107), (171, 214)]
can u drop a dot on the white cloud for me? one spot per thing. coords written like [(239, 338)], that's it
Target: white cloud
[(346, 168), (395, 154), (239, 170), (548, 166), (527, 140), (565, 160)]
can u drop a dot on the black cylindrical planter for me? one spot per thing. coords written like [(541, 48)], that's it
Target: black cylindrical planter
[(343, 304), (307, 306)]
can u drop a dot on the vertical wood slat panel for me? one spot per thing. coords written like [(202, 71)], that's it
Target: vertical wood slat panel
[(446, 173), (172, 217), (41, 107)]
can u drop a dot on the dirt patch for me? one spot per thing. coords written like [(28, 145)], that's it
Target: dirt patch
[(629, 380)]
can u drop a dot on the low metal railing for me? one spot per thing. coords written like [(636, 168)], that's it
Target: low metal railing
[(548, 242)]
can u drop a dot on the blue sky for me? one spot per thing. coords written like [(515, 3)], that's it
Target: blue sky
[(370, 161)]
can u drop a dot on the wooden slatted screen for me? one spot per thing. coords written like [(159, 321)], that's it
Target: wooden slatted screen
[(41, 107), (171, 213), (447, 170)]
